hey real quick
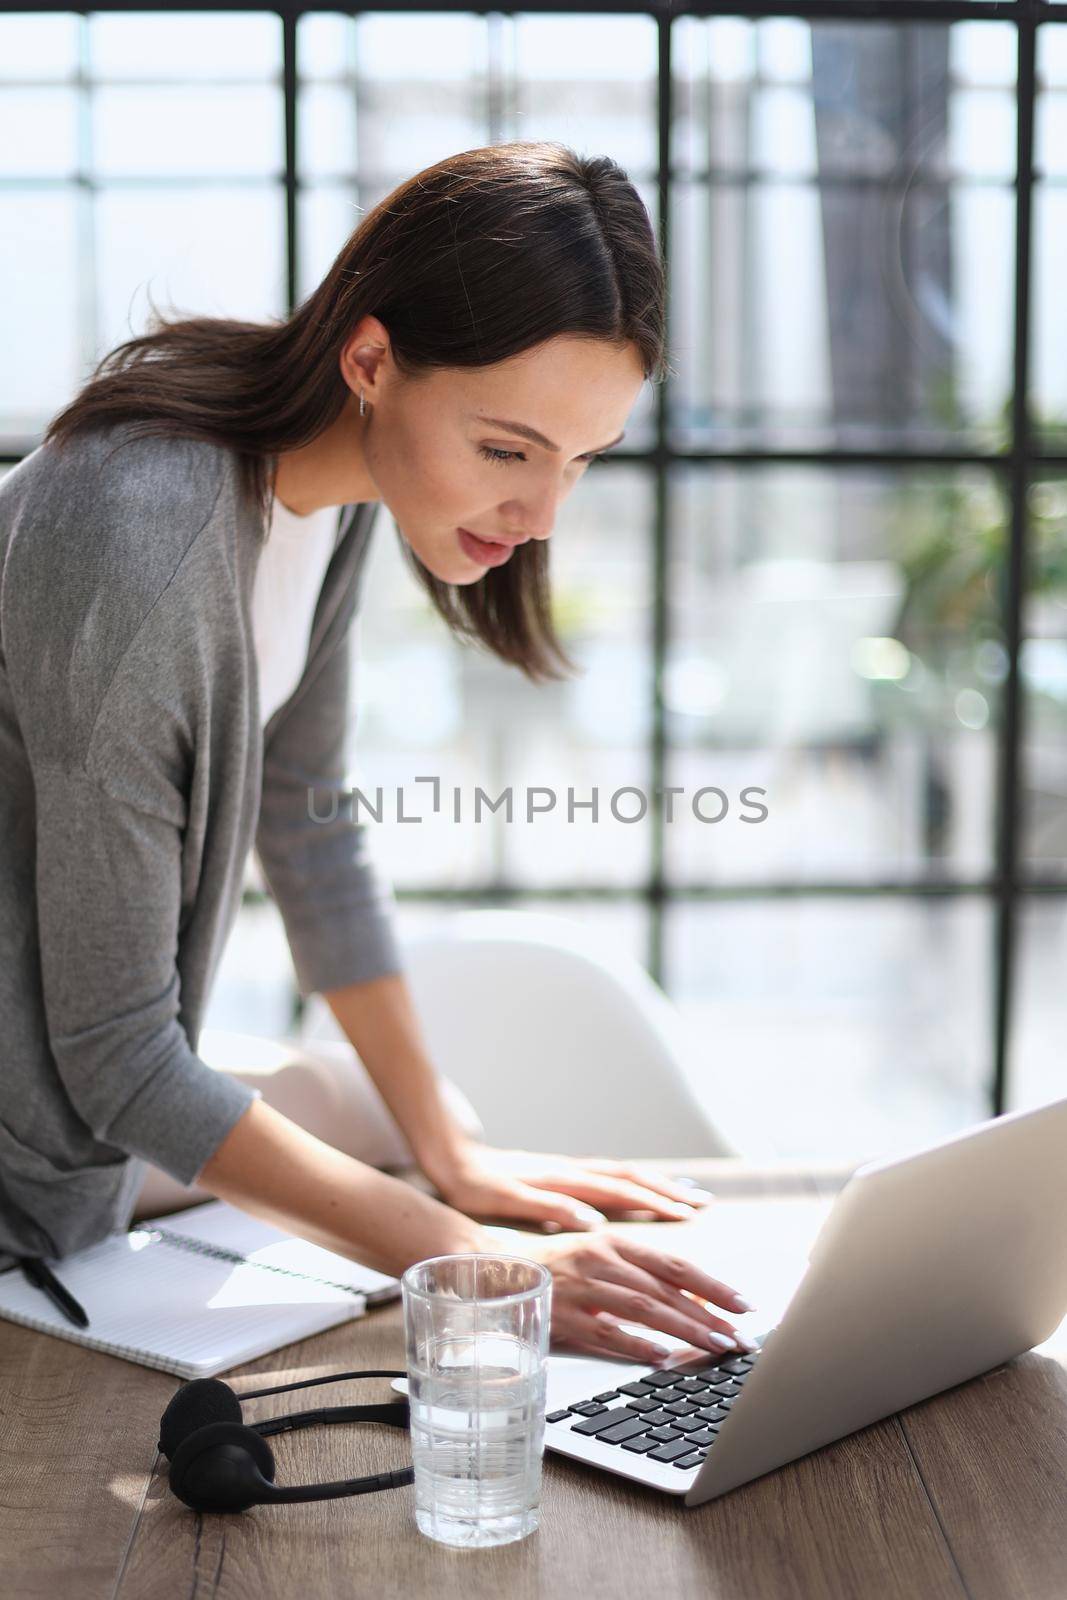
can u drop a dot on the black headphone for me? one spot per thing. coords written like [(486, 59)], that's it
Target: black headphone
[(219, 1463)]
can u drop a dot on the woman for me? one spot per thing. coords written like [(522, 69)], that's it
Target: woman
[(164, 707)]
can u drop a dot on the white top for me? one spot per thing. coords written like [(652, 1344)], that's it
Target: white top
[(288, 580)]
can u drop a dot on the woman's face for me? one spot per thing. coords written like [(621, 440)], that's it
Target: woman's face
[(464, 490)]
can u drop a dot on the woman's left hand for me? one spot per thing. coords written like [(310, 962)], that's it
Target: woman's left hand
[(571, 1192)]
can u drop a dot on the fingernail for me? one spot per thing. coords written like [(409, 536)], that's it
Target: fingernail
[(589, 1215), (720, 1341), (656, 1352), (742, 1305), (703, 1194), (748, 1345)]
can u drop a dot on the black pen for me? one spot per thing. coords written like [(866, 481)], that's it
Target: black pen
[(43, 1277)]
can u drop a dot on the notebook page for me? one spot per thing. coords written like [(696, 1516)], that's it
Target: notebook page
[(188, 1313), (217, 1223)]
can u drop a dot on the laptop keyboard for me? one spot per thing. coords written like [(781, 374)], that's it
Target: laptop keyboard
[(666, 1415)]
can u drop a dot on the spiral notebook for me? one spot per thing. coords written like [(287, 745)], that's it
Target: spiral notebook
[(199, 1292)]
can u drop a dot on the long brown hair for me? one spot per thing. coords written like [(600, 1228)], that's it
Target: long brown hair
[(477, 258)]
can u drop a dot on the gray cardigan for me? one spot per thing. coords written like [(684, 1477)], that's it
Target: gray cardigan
[(134, 779)]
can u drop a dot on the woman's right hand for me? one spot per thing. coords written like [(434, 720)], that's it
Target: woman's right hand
[(603, 1278)]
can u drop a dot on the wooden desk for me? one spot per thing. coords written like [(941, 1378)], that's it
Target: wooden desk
[(964, 1495)]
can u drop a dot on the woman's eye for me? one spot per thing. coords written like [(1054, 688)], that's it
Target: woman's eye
[(505, 456), (490, 454)]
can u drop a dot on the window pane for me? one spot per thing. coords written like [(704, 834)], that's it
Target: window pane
[(837, 642), (588, 81), (1037, 1066), (1043, 669), (325, 46), (429, 708), (254, 989), (41, 306), (77, 263), (42, 48), (405, 93), (236, 131), (326, 131), (38, 133), (325, 217), (833, 181), (217, 250), (187, 45), (841, 1030), (1049, 319)]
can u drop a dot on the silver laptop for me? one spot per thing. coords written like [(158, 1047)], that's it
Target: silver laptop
[(929, 1270)]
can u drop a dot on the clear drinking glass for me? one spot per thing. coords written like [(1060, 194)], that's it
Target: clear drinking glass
[(476, 1331)]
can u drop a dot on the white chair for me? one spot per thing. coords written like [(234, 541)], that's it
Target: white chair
[(557, 1045)]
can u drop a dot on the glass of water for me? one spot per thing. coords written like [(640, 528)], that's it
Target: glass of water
[(476, 1330)]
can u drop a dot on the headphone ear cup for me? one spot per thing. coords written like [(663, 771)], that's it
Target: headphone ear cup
[(222, 1467), (194, 1406)]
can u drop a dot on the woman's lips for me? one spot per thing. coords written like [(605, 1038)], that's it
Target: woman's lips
[(486, 552)]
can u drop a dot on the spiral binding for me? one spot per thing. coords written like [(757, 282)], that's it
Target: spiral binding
[(183, 1241)]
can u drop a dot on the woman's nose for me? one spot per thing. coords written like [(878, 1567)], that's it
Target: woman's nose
[(535, 519)]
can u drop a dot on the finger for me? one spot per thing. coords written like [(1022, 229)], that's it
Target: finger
[(557, 1211), (597, 1335), (633, 1305), (681, 1274), (616, 1194), (636, 1279), (648, 1178)]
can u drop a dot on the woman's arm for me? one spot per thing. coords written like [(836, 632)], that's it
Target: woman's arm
[(274, 1169), (379, 1019)]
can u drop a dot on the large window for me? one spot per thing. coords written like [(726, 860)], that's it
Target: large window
[(829, 567)]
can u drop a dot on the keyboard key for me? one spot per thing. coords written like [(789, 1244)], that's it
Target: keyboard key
[(557, 1416), (671, 1452), (681, 1408), (637, 1388), (659, 1419), (689, 1425), (659, 1380), (713, 1413), (639, 1445), (691, 1385), (607, 1419), (736, 1369), (609, 1394), (694, 1460), (728, 1388), (664, 1435), (642, 1405), (588, 1408), (623, 1430), (726, 1402), (700, 1441)]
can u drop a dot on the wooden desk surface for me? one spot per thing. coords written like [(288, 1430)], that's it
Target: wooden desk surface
[(964, 1495)]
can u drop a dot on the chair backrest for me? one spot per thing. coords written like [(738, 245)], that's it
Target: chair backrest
[(558, 1045)]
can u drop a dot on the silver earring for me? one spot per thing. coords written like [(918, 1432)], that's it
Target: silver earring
[(362, 404)]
